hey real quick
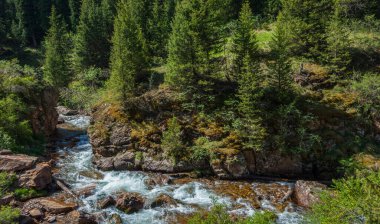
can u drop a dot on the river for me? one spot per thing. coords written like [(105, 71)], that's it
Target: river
[(74, 163)]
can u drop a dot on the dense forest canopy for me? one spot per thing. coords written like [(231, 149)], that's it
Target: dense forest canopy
[(301, 77)]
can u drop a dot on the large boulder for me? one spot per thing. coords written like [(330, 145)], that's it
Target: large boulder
[(38, 178), (16, 163), (306, 193), (129, 202)]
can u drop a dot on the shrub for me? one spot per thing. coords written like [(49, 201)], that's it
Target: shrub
[(171, 141), (202, 150), (6, 181), (219, 215), (355, 199), (24, 194), (9, 215), (368, 89)]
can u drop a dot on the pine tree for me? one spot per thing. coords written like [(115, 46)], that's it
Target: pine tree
[(19, 30), (280, 68), (128, 56), (172, 142), (159, 28), (74, 6), (306, 26), (244, 40), (92, 45), (337, 54), (249, 126), (196, 36), (56, 71)]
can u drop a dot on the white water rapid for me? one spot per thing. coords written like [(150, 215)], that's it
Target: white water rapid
[(74, 161)]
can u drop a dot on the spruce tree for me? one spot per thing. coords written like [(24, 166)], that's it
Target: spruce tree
[(249, 126), (306, 26), (128, 56), (92, 45), (196, 37), (172, 142), (337, 54), (280, 67), (74, 6), (244, 40), (56, 71)]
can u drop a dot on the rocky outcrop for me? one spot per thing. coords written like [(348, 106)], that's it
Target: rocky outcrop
[(306, 193), (17, 163), (38, 178), (129, 138), (129, 202)]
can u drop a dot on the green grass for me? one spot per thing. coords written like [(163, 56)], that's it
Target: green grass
[(263, 39)]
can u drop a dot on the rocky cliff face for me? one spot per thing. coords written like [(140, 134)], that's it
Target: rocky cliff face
[(131, 141)]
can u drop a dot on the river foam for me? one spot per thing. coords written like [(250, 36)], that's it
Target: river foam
[(191, 196)]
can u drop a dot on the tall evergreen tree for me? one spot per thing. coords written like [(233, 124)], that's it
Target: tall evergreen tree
[(128, 56), (74, 6), (249, 126), (196, 36), (56, 69), (159, 27), (337, 54), (280, 67), (244, 40), (306, 26), (92, 45)]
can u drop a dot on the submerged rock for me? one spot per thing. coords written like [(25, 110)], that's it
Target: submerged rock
[(86, 191), (129, 202), (157, 179), (93, 174), (306, 193), (163, 200), (106, 202), (115, 219)]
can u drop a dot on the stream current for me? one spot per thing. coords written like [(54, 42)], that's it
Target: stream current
[(75, 167)]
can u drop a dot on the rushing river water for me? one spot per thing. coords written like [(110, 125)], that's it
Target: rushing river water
[(76, 160)]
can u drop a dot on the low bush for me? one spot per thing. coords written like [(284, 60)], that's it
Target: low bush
[(9, 215), (24, 194), (219, 215), (354, 199), (6, 182)]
